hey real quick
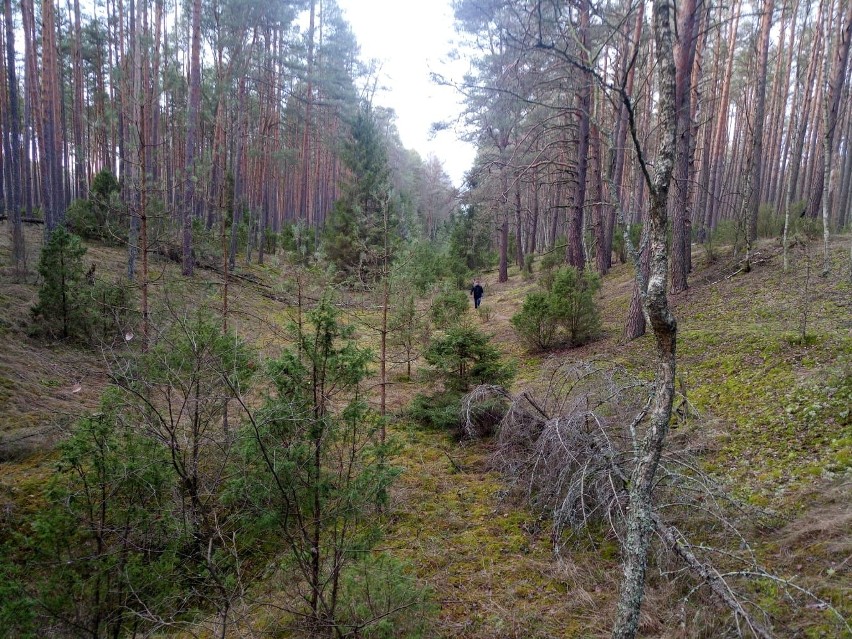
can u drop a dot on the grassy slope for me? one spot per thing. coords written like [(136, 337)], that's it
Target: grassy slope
[(774, 421)]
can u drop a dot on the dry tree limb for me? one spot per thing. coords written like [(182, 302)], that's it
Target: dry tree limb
[(709, 575)]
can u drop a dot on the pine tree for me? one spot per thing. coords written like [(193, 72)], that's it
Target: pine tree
[(61, 309), (355, 235)]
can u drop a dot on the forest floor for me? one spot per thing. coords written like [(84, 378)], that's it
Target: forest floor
[(764, 357)]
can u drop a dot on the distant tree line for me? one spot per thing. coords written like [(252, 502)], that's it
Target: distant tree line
[(763, 128), (205, 113)]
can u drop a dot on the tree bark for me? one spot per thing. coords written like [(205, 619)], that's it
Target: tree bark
[(830, 117), (720, 131), (519, 224), (80, 177), (575, 255), (12, 149), (759, 114), (688, 27), (192, 116), (640, 524), (52, 180)]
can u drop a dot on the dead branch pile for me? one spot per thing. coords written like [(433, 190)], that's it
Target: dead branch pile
[(559, 444), (567, 446)]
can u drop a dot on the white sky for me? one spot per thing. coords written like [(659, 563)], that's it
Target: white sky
[(411, 38)]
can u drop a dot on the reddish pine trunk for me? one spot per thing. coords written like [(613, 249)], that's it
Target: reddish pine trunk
[(759, 113), (12, 148), (689, 24)]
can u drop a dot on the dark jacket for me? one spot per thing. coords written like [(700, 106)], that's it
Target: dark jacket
[(477, 291)]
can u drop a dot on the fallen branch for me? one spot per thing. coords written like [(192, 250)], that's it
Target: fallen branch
[(749, 263), (25, 220), (709, 575), (453, 462)]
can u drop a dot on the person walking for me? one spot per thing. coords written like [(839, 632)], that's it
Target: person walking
[(477, 292)]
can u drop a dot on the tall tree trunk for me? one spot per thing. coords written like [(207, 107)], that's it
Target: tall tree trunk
[(130, 170), (846, 178), (830, 117), (536, 186), (796, 146), (616, 176), (575, 255), (503, 269), (689, 24), (305, 187), (52, 181), (640, 510), (238, 171), (32, 119), (759, 114), (519, 223), (12, 148), (720, 131), (192, 116), (153, 154), (779, 100), (80, 177)]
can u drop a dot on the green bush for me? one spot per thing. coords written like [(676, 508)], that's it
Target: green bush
[(99, 217), (104, 547), (439, 411), (381, 596), (299, 241), (551, 261), (461, 359), (421, 265), (618, 244), (81, 220), (61, 309), (564, 315), (464, 357), (574, 303), (769, 224), (448, 307), (111, 309), (536, 324)]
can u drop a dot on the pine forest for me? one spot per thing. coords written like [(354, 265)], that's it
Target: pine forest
[(271, 365)]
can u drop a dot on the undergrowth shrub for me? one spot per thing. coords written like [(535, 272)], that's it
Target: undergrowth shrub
[(461, 359), (448, 307), (549, 263), (61, 309), (464, 357), (77, 305), (104, 547), (101, 216), (566, 314), (80, 219), (484, 312), (421, 265), (618, 244), (380, 596), (111, 311), (439, 411)]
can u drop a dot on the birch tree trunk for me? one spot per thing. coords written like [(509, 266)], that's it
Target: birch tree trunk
[(640, 523)]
